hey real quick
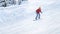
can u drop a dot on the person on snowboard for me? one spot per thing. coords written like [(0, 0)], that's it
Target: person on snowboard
[(38, 11)]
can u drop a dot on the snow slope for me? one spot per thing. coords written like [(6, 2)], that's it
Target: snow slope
[(19, 19)]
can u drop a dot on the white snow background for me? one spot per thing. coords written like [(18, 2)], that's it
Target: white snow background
[(18, 19)]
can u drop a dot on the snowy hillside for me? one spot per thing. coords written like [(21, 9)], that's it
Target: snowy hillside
[(18, 19)]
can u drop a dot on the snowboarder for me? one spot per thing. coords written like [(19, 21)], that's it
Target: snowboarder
[(38, 11)]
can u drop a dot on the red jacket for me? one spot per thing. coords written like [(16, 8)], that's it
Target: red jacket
[(38, 10)]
